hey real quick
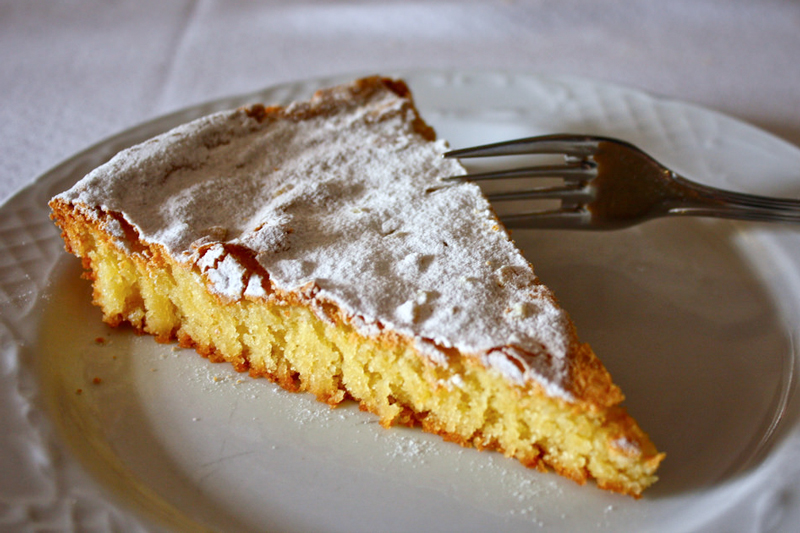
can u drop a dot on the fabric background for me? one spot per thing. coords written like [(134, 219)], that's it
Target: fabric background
[(74, 72)]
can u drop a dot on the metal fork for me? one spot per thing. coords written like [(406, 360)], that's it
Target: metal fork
[(611, 184)]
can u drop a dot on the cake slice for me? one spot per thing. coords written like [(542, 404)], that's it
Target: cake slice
[(316, 245)]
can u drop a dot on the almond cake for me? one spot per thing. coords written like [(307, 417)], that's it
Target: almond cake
[(318, 246)]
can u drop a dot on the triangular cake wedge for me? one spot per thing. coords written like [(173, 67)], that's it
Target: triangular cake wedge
[(317, 245)]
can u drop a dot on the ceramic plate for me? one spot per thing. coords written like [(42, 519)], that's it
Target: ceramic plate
[(696, 319)]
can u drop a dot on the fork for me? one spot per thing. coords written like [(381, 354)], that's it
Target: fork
[(611, 184)]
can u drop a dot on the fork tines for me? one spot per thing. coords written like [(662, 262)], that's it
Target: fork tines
[(575, 172), (569, 145)]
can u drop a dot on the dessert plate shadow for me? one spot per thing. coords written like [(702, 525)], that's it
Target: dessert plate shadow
[(697, 321)]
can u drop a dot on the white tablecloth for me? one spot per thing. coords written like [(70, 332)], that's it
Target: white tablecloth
[(75, 72)]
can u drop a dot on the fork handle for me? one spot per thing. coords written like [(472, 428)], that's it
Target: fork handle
[(704, 200)]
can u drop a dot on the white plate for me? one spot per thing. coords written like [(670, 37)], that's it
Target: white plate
[(696, 320)]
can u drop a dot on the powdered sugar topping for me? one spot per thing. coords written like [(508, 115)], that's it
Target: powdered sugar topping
[(352, 202)]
